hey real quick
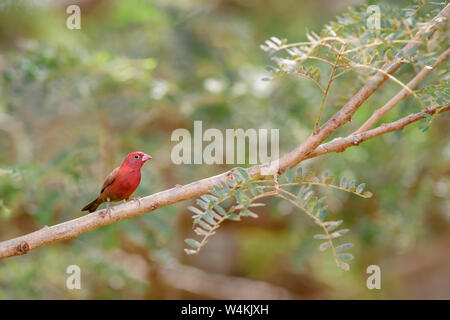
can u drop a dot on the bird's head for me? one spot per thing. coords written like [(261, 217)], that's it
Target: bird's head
[(136, 159)]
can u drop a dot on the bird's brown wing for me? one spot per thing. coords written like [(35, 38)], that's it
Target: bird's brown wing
[(110, 179)]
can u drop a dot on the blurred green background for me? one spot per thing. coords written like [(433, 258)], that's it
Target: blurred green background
[(73, 103)]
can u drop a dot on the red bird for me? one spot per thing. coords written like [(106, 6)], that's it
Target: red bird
[(121, 182)]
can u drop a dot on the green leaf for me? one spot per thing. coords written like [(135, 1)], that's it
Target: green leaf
[(352, 185), (209, 198), (289, 175), (345, 256), (344, 247), (193, 243), (219, 192), (213, 215), (238, 196), (339, 233), (200, 231), (315, 209), (244, 173), (343, 183), (202, 224), (190, 251), (195, 210), (202, 204), (225, 187), (214, 192), (232, 183), (209, 219), (343, 265), (331, 225), (220, 210), (252, 189), (323, 213), (238, 178), (234, 217), (307, 196), (324, 246), (360, 188), (248, 213)]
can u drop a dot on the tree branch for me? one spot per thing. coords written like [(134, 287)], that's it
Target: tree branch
[(402, 94), (341, 144), (73, 228)]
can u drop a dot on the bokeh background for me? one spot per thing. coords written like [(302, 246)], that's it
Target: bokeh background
[(73, 103)]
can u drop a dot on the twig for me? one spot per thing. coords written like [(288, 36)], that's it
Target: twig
[(341, 144), (404, 93), (330, 80)]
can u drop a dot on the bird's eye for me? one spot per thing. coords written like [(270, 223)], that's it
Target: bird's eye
[(136, 157)]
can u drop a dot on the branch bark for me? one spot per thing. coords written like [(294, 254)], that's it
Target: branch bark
[(73, 228)]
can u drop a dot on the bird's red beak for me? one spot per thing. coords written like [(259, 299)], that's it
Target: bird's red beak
[(146, 157)]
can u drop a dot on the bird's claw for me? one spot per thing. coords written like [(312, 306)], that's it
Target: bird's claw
[(103, 213), (135, 199)]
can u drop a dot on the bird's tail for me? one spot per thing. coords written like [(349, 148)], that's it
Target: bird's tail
[(92, 206)]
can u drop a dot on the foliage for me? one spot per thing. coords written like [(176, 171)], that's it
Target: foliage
[(244, 191), (432, 95), (351, 44)]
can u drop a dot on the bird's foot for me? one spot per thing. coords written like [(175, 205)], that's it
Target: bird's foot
[(105, 212), (135, 199)]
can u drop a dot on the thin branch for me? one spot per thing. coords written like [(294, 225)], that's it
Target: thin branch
[(377, 43), (312, 79), (341, 144), (342, 73), (404, 93), (330, 80), (405, 87), (73, 228), (323, 40), (327, 185), (306, 57)]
